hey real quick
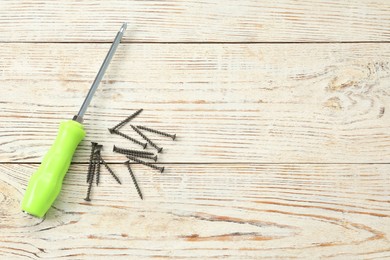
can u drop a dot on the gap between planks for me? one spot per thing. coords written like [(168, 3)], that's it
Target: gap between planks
[(194, 42), (226, 163)]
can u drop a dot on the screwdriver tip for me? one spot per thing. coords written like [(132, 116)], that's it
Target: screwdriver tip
[(123, 28)]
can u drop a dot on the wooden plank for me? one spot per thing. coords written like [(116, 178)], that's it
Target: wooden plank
[(226, 103), (196, 21), (206, 211)]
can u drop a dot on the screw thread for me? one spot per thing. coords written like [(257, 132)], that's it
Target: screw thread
[(91, 161), (129, 118), (98, 169), (87, 198), (134, 180), (110, 171), (173, 136), (161, 169), (130, 152), (154, 158), (113, 131), (146, 139)]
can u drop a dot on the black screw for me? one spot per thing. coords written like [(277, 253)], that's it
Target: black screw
[(130, 152), (113, 131), (146, 139), (161, 169), (90, 185), (154, 158), (95, 168), (134, 180), (89, 189), (110, 171), (120, 124), (98, 171), (97, 160), (90, 166), (156, 131)]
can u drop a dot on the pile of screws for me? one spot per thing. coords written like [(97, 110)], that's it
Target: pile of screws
[(95, 162), (133, 155)]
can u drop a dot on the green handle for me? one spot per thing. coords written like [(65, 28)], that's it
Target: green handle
[(45, 184)]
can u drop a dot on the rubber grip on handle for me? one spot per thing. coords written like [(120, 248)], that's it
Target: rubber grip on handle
[(45, 184)]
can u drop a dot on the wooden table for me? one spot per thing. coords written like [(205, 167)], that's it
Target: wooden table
[(280, 107)]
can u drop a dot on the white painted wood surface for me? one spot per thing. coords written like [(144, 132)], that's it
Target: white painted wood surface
[(226, 102), (196, 21), (280, 107), (207, 211)]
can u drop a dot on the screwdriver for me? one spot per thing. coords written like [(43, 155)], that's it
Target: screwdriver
[(45, 184)]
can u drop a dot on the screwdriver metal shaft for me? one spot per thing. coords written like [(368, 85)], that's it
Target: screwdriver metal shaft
[(99, 76)]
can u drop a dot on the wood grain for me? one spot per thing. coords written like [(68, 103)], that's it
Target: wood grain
[(227, 103), (195, 21), (280, 108), (206, 211)]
